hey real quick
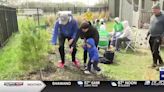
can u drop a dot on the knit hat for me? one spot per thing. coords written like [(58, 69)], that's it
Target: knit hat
[(63, 19), (156, 6), (117, 19)]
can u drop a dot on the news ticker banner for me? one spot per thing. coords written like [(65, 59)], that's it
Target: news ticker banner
[(48, 86)]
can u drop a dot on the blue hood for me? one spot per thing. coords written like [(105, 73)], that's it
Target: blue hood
[(93, 52), (91, 42)]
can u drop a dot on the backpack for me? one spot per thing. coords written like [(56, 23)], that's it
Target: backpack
[(108, 57)]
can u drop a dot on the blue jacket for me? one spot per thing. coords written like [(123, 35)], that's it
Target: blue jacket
[(93, 51), (68, 30)]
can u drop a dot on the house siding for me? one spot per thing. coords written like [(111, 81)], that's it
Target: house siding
[(126, 11)]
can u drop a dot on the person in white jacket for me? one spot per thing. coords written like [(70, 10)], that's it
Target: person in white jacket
[(126, 36)]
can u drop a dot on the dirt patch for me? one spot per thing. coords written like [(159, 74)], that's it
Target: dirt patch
[(69, 73)]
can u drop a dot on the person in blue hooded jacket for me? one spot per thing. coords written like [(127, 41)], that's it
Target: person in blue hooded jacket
[(65, 28), (93, 56)]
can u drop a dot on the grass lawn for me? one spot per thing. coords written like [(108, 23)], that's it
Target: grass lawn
[(132, 66), (9, 69)]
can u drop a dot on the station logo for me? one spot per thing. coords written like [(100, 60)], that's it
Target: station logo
[(10, 84)]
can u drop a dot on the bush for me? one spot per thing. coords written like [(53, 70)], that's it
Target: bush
[(34, 46), (25, 51)]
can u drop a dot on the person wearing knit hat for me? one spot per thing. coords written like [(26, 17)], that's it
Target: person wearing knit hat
[(87, 31), (117, 19), (156, 6), (156, 31), (66, 28)]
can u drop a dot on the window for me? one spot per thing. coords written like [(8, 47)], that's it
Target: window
[(163, 6), (135, 5), (129, 1), (143, 4)]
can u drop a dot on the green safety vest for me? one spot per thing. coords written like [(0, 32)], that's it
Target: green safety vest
[(104, 38)]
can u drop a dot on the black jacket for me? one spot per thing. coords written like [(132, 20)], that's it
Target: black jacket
[(91, 33)]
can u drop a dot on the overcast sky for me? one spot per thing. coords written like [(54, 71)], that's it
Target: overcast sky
[(87, 2)]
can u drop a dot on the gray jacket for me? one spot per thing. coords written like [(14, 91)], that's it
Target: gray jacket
[(157, 25)]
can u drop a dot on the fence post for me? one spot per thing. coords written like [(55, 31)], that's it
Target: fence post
[(54, 10), (6, 19), (38, 17)]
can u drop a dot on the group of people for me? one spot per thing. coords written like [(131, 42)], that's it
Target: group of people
[(99, 24), (66, 27), (121, 33)]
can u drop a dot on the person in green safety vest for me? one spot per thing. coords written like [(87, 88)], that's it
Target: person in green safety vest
[(104, 39)]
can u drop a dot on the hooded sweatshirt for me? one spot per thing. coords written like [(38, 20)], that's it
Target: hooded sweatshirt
[(68, 30), (127, 32), (93, 51)]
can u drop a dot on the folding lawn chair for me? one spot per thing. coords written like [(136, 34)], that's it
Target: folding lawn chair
[(131, 44)]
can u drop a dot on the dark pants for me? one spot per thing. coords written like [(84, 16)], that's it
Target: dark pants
[(95, 66), (119, 41), (61, 48), (154, 46)]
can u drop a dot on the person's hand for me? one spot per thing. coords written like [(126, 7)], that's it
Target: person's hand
[(84, 46), (70, 41), (71, 50)]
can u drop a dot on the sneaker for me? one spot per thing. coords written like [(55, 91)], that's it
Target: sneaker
[(153, 66), (85, 66), (157, 68), (76, 63), (61, 65), (87, 72)]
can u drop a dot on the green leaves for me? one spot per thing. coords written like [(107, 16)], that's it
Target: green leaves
[(34, 47), (25, 52)]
